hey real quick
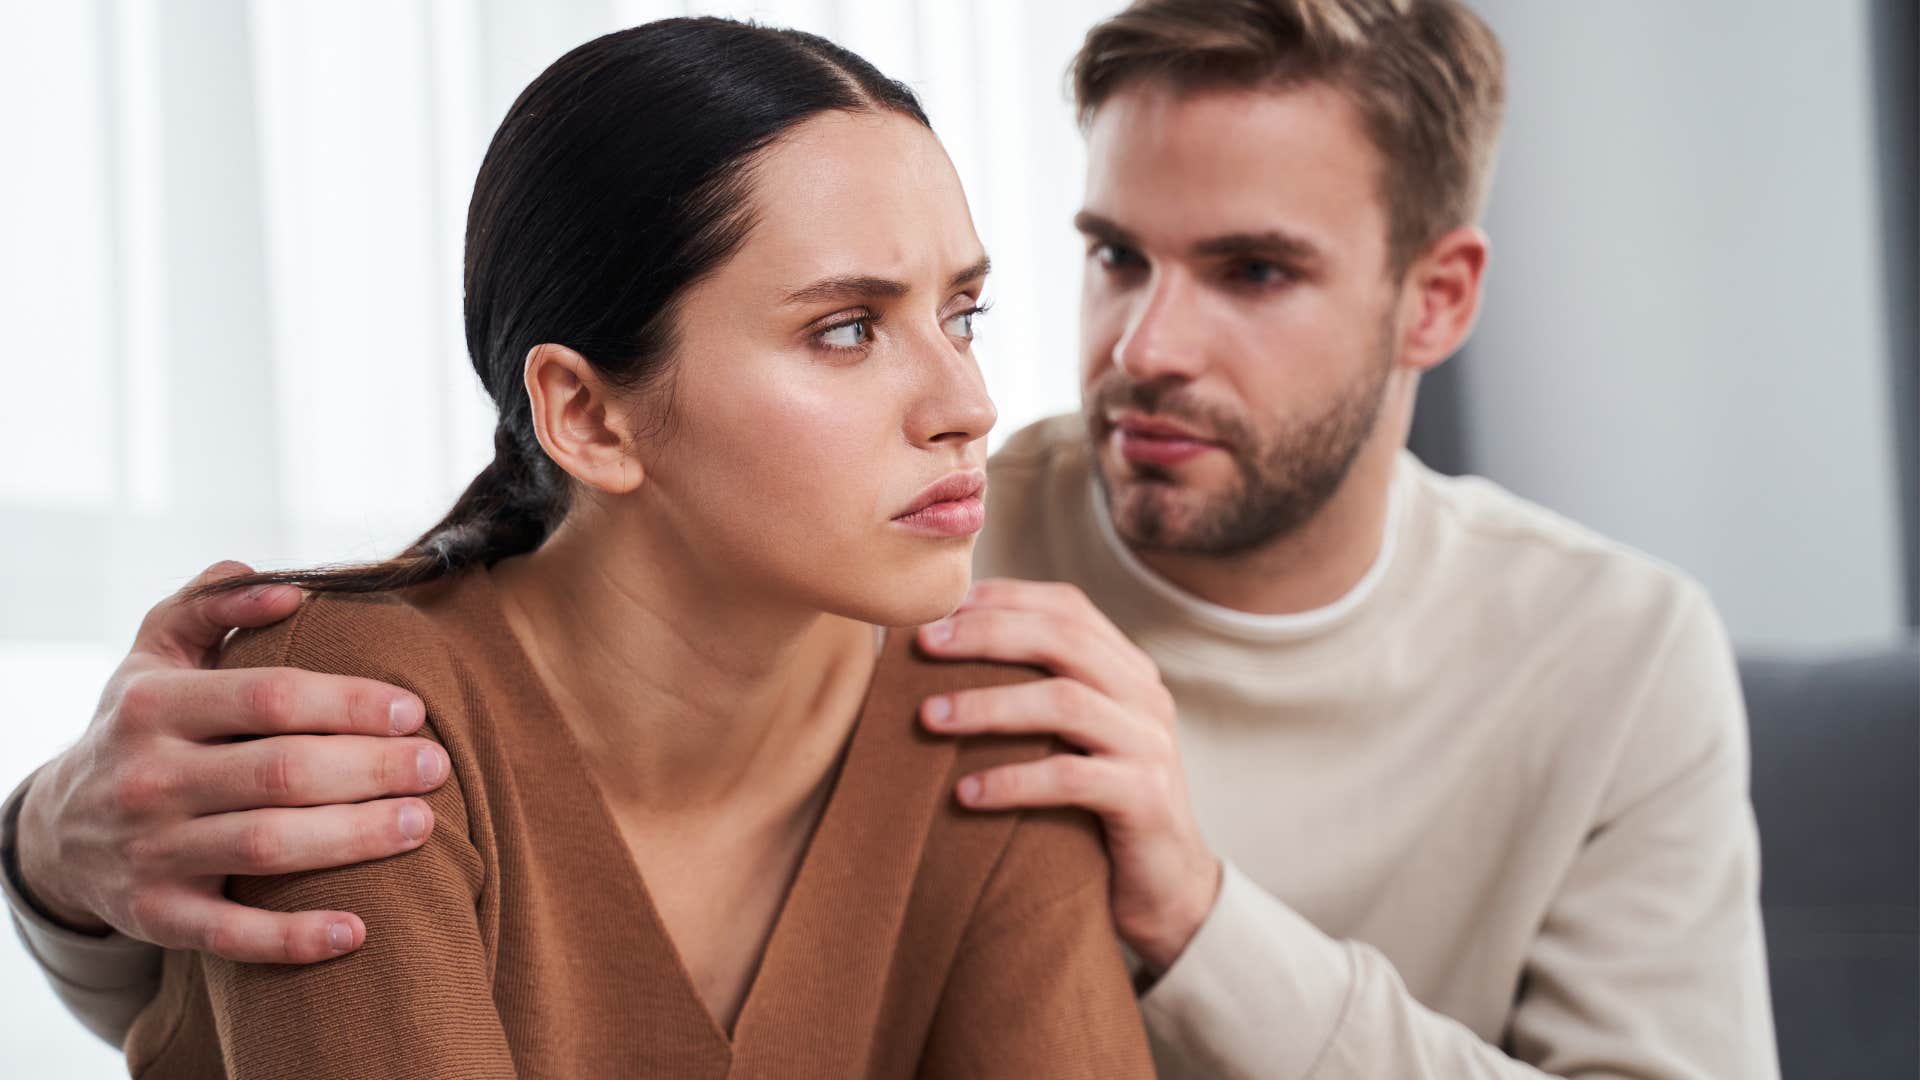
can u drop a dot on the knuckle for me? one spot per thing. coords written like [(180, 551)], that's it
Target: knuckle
[(222, 570), (221, 939), (1065, 695), (269, 698), (258, 849), (1069, 595), (1159, 745), (1074, 775), (276, 775), (147, 910), (138, 702), (142, 855), (137, 791)]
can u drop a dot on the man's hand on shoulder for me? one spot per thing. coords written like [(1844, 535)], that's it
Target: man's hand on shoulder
[(137, 826), (1106, 700)]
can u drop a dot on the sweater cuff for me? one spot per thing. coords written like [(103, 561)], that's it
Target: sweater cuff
[(98, 977), (1259, 991)]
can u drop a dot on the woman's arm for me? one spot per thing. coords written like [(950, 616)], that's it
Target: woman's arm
[(416, 1000), (1039, 987)]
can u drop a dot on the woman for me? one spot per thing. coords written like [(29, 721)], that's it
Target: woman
[(720, 283)]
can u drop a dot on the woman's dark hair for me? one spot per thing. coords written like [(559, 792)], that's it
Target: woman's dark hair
[(620, 177)]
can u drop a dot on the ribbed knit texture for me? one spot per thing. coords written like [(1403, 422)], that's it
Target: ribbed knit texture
[(918, 938)]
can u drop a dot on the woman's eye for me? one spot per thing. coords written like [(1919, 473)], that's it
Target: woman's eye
[(850, 335), (961, 325)]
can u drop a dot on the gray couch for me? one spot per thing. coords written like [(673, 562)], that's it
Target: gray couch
[(1836, 787)]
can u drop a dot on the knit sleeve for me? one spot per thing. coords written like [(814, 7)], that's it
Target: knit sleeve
[(1039, 987), (1649, 963), (416, 998)]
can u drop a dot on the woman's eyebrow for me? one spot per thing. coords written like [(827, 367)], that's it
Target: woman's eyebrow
[(868, 286), (853, 287), (972, 273)]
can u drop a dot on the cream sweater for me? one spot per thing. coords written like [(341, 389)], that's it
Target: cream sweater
[(1486, 816)]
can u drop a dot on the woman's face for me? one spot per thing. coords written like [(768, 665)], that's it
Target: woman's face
[(824, 387)]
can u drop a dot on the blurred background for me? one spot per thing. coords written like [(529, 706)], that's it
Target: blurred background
[(229, 275)]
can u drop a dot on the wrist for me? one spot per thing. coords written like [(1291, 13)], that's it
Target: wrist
[(32, 859), (1161, 941)]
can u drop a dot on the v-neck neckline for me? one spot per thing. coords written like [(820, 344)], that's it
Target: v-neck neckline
[(803, 895)]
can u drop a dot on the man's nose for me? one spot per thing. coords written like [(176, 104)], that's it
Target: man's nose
[(1164, 332)]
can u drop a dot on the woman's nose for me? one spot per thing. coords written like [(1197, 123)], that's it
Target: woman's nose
[(955, 407)]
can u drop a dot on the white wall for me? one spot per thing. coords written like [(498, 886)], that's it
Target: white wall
[(1683, 341)]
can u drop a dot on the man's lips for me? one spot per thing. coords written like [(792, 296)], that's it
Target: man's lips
[(1148, 440), (951, 506)]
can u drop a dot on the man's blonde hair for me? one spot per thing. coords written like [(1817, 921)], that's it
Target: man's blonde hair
[(1428, 76)]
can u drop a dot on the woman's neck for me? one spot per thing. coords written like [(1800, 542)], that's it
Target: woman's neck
[(684, 692)]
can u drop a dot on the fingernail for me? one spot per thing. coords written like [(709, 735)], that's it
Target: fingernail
[(970, 789), (403, 714), (428, 763), (939, 710), (941, 632), (413, 823), (339, 937)]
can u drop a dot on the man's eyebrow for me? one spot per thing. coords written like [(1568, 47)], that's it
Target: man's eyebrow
[(1092, 224), (1273, 243), (868, 286)]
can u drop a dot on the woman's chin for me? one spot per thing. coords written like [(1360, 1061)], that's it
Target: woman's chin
[(927, 594)]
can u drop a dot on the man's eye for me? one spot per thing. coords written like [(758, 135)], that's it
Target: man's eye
[(849, 335), (1115, 257), (1263, 272)]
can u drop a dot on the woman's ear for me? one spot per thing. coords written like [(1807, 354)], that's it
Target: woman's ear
[(1445, 296), (580, 423)]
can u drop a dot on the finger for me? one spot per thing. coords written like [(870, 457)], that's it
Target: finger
[(1055, 596), (256, 843), (189, 630), (1062, 646), (1058, 598), (202, 705), (1091, 783), (1065, 708), (251, 936), (310, 770)]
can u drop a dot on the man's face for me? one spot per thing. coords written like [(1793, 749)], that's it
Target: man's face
[(1237, 316)]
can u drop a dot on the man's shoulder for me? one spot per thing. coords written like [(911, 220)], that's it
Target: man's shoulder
[(1536, 561)]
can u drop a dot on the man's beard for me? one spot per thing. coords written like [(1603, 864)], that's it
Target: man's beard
[(1284, 475)]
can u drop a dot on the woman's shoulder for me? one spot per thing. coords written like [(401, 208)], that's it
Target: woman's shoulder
[(1058, 845), (409, 638)]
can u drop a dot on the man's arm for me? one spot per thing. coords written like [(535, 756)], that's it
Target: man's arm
[(1651, 962), (128, 836)]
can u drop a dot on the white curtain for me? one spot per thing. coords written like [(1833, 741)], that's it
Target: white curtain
[(230, 281)]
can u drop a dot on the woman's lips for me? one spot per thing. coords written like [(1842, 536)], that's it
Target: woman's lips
[(948, 518), (950, 506), (1147, 442)]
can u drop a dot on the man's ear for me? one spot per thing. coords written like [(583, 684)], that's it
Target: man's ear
[(581, 424), (1442, 297)]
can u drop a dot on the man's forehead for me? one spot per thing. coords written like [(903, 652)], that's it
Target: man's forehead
[(1188, 165)]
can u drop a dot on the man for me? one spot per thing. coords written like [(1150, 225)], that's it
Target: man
[(1400, 776)]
